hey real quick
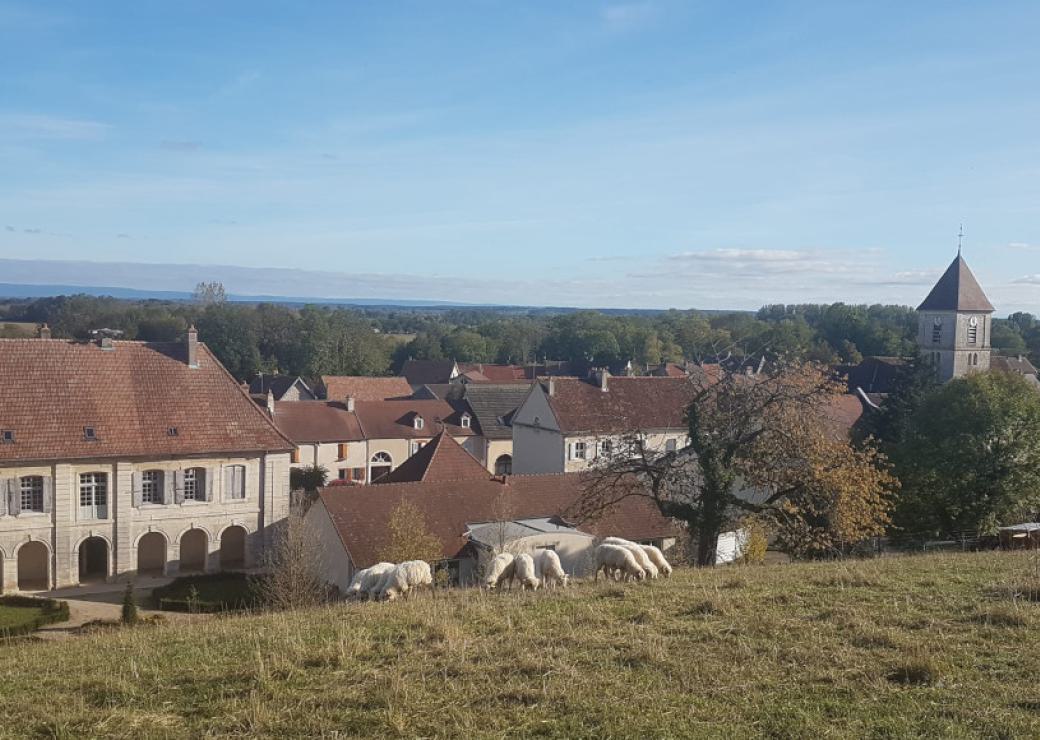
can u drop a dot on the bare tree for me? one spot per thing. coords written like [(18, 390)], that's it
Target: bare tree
[(759, 443), (293, 579), (207, 293)]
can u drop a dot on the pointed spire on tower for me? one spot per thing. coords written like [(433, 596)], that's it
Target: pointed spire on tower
[(960, 237)]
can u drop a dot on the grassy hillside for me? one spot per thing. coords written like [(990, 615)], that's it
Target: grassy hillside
[(944, 645)]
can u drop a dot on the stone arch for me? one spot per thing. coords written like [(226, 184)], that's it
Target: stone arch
[(151, 553), (233, 547), (379, 465), (34, 565), (94, 555), (194, 546)]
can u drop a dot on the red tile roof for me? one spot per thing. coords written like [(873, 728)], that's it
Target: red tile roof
[(340, 387), (493, 373), (441, 459), (133, 395), (395, 419), (316, 421), (627, 404), (361, 514)]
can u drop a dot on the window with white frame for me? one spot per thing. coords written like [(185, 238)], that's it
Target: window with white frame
[(93, 495), (152, 487), (419, 422), (465, 421), (671, 445), (416, 446), (193, 482), (235, 482), (579, 450), (31, 493)]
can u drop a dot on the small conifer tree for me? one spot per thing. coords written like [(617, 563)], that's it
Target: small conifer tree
[(129, 614)]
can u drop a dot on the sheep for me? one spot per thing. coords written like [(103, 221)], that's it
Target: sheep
[(611, 558), (523, 564), (547, 566), (638, 552), (500, 569), (363, 579), (406, 576), (658, 559), (377, 582)]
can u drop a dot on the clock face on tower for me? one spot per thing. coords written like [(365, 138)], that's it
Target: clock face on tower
[(973, 321), (937, 321)]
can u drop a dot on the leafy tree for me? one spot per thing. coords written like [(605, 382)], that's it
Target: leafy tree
[(890, 425), (1007, 338), (466, 345), (970, 458), (231, 332), (761, 446), (208, 293), (309, 478), (409, 538)]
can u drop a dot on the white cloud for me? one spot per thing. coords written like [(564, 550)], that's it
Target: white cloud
[(36, 126), (1027, 280)]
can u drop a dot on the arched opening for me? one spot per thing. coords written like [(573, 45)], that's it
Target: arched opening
[(504, 465), (151, 554), (381, 464), (93, 560), (33, 573), (233, 548), (194, 544)]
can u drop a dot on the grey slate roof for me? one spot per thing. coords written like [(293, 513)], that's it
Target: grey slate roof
[(957, 290), (425, 372), (493, 406), (277, 384)]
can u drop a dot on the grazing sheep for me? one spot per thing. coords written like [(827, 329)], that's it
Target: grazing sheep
[(523, 564), (362, 580), (615, 558), (377, 580), (547, 566), (658, 559), (500, 569), (405, 577), (638, 552)]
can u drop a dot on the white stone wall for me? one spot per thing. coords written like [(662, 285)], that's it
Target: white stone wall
[(953, 355), (65, 527), (334, 563)]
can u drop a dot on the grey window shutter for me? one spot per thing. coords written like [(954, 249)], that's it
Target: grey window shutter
[(14, 497), (48, 494), (229, 482), (4, 483), (167, 487), (240, 481), (208, 474), (136, 488), (570, 450), (178, 486)]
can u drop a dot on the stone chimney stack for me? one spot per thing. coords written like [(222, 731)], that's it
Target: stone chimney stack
[(552, 386), (350, 404), (45, 332), (602, 376), (193, 346), (270, 403)]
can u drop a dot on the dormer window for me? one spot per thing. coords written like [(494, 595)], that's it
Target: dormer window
[(418, 422), (466, 421), (7, 436), (89, 434)]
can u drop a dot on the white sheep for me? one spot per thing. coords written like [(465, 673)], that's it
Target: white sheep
[(500, 569), (362, 580), (547, 566), (638, 552), (612, 558), (658, 559), (407, 576), (523, 564), (377, 581)]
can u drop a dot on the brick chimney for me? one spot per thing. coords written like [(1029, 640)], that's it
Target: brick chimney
[(45, 332), (193, 346), (350, 404)]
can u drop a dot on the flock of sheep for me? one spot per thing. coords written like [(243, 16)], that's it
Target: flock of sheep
[(615, 557)]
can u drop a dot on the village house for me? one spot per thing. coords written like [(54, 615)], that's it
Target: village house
[(472, 514), (123, 458), (282, 387), (361, 441)]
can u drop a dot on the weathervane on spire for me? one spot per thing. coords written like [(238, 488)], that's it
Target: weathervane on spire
[(960, 237)]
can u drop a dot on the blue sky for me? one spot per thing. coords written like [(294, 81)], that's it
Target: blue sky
[(643, 154)]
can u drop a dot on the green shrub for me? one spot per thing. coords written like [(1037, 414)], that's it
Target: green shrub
[(212, 592), (40, 613)]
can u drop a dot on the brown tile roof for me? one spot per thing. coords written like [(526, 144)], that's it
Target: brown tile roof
[(316, 421), (441, 459), (131, 395), (493, 373), (668, 370), (340, 387), (395, 419), (425, 372), (1018, 365), (629, 403), (957, 290), (842, 413), (361, 514)]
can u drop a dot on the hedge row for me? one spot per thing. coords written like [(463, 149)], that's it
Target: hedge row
[(52, 611), (215, 592)]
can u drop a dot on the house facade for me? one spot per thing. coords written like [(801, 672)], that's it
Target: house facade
[(124, 458)]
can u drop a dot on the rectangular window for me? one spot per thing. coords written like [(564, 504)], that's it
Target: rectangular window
[(93, 495), (236, 482), (606, 447), (191, 485), (359, 475), (151, 487), (342, 454), (936, 334), (579, 450), (32, 493), (344, 474), (973, 334), (671, 445)]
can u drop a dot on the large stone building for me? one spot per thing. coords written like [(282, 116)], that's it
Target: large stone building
[(954, 322), (130, 457)]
